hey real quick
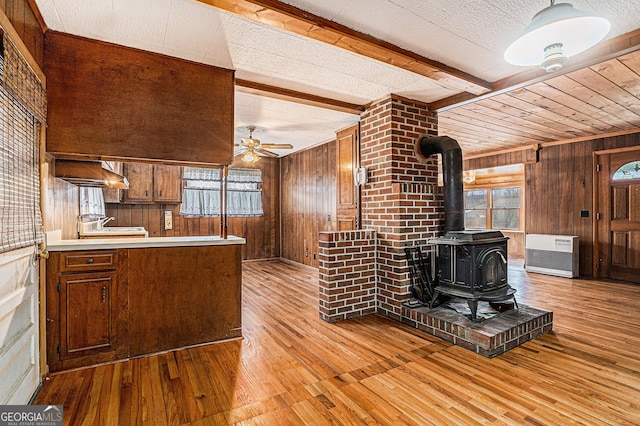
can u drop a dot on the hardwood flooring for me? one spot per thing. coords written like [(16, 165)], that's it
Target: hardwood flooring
[(292, 368)]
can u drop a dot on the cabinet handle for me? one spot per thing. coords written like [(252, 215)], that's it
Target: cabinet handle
[(90, 260), (161, 192), (146, 192), (104, 293)]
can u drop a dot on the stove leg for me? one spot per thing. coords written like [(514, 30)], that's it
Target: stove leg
[(436, 293), (473, 306)]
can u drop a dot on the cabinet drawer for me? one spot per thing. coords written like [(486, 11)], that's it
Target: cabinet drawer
[(100, 260)]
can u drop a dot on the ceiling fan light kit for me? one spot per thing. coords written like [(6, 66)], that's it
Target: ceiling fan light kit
[(555, 34), (250, 156)]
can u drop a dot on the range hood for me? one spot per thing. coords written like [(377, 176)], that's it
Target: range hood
[(89, 173)]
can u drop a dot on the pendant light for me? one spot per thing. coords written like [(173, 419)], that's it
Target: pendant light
[(554, 35)]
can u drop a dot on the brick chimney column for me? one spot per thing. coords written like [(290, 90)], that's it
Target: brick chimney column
[(401, 201)]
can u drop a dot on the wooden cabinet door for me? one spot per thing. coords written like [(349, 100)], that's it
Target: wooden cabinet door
[(140, 176), (87, 314), (347, 159), (167, 183)]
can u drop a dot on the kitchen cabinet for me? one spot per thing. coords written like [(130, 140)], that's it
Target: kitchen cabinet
[(140, 177), (104, 305), (86, 308), (167, 184), (152, 183)]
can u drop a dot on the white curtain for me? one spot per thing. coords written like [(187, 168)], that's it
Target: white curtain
[(91, 202), (201, 195)]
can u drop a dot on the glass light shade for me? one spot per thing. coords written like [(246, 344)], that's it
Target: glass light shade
[(560, 23), (250, 157)]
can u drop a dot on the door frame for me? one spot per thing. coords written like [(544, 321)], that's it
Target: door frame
[(597, 258)]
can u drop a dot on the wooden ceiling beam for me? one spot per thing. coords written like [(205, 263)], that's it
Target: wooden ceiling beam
[(604, 51), (280, 93), (279, 15)]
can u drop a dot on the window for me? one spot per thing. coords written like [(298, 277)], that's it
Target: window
[(201, 193), (492, 208), (475, 213), (628, 171), (505, 208)]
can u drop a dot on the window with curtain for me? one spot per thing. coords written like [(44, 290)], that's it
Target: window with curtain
[(201, 192)]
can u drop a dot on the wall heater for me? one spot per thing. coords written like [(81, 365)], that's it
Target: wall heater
[(552, 255)]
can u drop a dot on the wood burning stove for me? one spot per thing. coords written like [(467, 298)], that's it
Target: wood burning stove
[(472, 265)]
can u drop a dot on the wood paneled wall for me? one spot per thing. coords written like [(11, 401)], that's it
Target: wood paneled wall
[(559, 186), (308, 201), (112, 102), (24, 21), (61, 204), (262, 233)]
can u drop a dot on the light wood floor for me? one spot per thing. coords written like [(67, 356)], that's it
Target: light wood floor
[(292, 368)]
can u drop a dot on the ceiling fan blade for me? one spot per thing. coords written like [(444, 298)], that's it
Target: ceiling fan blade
[(240, 151), (276, 145), (266, 153)]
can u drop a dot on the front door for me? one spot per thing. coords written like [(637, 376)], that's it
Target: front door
[(618, 227)]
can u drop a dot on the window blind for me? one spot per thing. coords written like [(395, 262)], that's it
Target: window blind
[(20, 216)]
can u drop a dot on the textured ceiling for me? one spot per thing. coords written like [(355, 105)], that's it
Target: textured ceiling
[(469, 35)]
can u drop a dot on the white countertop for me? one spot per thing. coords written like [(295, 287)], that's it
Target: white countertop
[(55, 243)]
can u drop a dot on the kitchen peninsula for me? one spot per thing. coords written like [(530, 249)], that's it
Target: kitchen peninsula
[(116, 298)]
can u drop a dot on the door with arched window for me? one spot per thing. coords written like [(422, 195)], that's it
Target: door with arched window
[(617, 226)]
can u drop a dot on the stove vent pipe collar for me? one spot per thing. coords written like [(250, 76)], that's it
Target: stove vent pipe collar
[(427, 145)]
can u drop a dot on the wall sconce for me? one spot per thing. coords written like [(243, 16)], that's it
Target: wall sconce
[(360, 176), (554, 35)]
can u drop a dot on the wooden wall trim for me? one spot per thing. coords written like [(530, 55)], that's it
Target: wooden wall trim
[(617, 150), (8, 28), (502, 151), (36, 12), (554, 143)]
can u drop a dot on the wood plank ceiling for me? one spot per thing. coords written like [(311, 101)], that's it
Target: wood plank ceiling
[(602, 99)]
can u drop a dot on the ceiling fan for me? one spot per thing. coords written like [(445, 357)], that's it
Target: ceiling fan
[(251, 149)]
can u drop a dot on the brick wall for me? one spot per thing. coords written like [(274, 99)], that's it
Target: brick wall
[(347, 274), (401, 201)]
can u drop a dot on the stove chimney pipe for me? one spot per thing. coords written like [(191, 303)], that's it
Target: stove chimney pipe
[(426, 146)]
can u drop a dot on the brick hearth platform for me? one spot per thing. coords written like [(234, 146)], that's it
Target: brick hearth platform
[(488, 338)]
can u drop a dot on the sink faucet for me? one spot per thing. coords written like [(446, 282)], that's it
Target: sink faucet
[(103, 221)]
